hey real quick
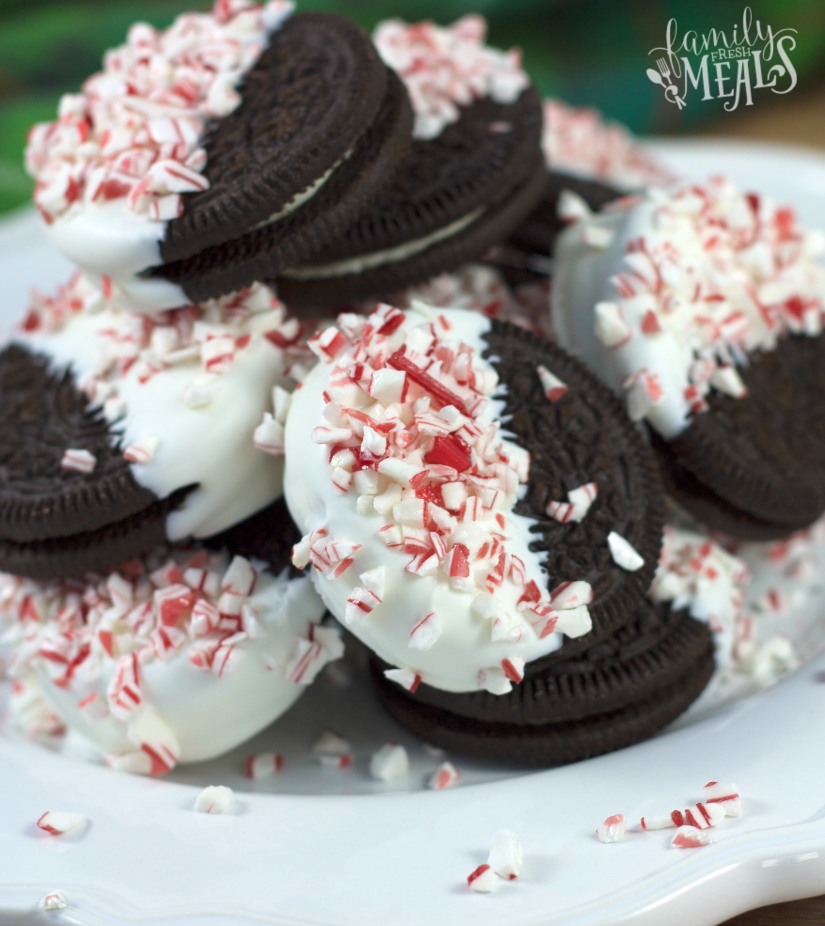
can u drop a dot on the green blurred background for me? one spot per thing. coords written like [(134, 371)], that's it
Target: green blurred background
[(590, 52)]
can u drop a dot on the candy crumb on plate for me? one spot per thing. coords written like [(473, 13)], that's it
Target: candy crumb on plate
[(216, 799)]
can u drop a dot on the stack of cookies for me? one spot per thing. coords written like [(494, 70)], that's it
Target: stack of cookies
[(470, 500)]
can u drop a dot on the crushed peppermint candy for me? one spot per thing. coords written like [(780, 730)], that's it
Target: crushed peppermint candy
[(690, 837), (623, 553), (580, 141), (59, 823), (390, 762), (94, 637), (447, 68), (264, 765), (53, 901), (577, 505), (720, 800), (724, 795), (506, 857), (333, 751), (720, 272), (402, 436), (612, 830), (141, 347), (482, 289), (135, 131), (445, 776), (696, 573), (216, 799), (78, 461), (484, 880)]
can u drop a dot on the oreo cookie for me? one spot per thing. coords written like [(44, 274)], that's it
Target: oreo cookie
[(613, 695), (330, 125), (453, 197), (754, 467), (582, 437), (526, 256), (119, 433), (254, 139), (54, 521)]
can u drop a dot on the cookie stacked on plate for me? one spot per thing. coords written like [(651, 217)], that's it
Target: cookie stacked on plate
[(704, 305), (479, 510)]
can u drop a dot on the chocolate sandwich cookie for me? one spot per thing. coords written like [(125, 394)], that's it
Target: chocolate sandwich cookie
[(705, 307), (527, 254), (471, 177), (309, 105), (762, 455), (473, 501), (612, 695), (580, 439), (255, 138), (119, 433), (58, 521), (549, 744), (451, 199)]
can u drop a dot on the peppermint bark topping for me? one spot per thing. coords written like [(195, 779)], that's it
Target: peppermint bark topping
[(134, 131), (447, 68)]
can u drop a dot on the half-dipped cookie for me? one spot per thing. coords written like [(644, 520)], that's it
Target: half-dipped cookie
[(617, 693), (207, 156), (469, 495), (704, 307), (474, 172), (177, 656), (120, 432)]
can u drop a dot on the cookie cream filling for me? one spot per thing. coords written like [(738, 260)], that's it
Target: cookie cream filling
[(352, 265), (447, 68), (178, 657), (111, 170), (666, 296), (578, 141), (398, 472), (184, 391)]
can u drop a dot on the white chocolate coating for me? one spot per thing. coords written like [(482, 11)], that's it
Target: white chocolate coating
[(111, 170), (665, 296), (464, 657), (195, 710), (210, 444)]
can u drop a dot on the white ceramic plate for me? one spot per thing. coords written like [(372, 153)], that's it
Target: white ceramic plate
[(318, 847)]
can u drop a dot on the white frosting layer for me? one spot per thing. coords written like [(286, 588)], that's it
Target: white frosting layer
[(666, 295), (465, 655), (203, 423), (352, 265), (211, 690)]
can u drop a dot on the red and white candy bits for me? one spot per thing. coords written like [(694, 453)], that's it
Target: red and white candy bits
[(447, 68), (333, 750), (389, 763), (216, 799), (53, 901), (723, 795), (484, 880), (78, 461), (264, 765), (689, 837), (612, 830), (579, 140), (134, 132), (59, 823), (445, 776), (503, 864)]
